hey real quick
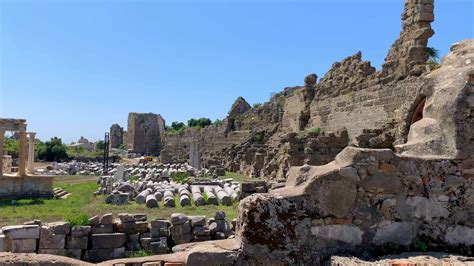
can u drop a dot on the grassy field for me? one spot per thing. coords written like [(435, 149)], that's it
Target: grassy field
[(83, 201)]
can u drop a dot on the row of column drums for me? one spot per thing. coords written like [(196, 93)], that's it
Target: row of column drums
[(200, 194)]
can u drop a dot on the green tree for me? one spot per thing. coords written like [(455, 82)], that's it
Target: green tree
[(100, 145), (52, 150), (178, 126), (433, 54), (12, 146), (218, 122), (201, 122)]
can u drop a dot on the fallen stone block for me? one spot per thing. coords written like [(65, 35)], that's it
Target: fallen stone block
[(133, 242), (106, 219), (160, 247), (77, 242), (80, 230), (159, 232), (114, 240), (5, 243), (23, 245), (98, 255), (160, 223), (59, 228), (140, 217), (201, 231), (102, 229), (94, 220), (178, 218), (21, 231), (50, 240), (181, 239), (141, 198), (197, 220)]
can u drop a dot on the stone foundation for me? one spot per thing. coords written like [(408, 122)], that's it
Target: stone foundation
[(30, 186)]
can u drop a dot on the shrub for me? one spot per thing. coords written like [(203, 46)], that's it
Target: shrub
[(316, 130), (218, 122), (80, 219), (257, 105), (180, 177), (178, 126), (139, 253), (201, 122), (259, 137)]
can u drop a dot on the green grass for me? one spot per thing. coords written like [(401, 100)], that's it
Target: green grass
[(236, 176), (82, 201)]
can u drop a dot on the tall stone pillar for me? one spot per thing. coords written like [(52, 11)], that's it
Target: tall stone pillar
[(2, 134), (195, 156), (31, 152), (22, 154)]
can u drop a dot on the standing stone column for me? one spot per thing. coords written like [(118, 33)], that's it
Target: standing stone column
[(195, 156), (22, 154), (31, 152), (2, 134)]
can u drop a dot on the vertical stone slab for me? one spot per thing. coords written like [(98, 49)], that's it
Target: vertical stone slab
[(31, 152), (194, 155), (22, 154)]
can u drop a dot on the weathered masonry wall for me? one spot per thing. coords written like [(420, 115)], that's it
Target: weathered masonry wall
[(144, 132), (106, 238)]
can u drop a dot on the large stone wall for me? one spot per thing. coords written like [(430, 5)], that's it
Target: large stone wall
[(116, 136), (144, 133), (365, 203)]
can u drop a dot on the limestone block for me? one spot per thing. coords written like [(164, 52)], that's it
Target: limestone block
[(181, 239), (94, 220), (159, 232), (197, 220), (113, 240), (102, 229), (160, 247), (201, 231), (198, 199), (59, 228), (72, 253), (98, 255), (133, 242), (106, 219), (460, 235), (426, 209), (146, 242), (21, 231), (202, 238), (345, 233), (181, 229), (77, 242), (158, 196), (224, 198), (80, 230), (160, 224), (23, 245), (178, 218), (5, 243), (400, 233), (140, 217), (50, 240)]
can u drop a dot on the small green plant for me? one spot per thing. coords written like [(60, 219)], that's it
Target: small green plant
[(316, 130), (432, 53), (257, 105), (80, 219), (134, 179), (205, 196), (139, 253), (259, 137), (218, 122), (423, 246), (180, 177)]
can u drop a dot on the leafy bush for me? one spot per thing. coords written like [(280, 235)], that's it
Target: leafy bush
[(139, 253), (259, 137), (257, 105), (316, 130), (180, 177), (178, 126), (100, 145), (53, 150), (80, 219), (218, 122), (201, 122), (12, 146)]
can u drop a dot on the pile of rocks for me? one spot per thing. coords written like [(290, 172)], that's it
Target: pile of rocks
[(105, 238), (72, 168)]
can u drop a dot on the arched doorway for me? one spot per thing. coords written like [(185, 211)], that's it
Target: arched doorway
[(418, 113)]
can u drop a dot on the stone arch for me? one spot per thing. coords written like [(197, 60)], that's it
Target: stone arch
[(417, 114), (413, 114)]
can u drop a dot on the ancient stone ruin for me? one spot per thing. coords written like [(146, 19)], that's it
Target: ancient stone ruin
[(23, 183), (362, 162)]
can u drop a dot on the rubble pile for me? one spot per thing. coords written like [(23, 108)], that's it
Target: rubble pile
[(170, 185), (106, 238)]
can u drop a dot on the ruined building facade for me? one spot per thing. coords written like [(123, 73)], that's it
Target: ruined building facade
[(145, 132), (116, 136)]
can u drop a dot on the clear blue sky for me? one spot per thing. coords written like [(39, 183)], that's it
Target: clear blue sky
[(73, 68)]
